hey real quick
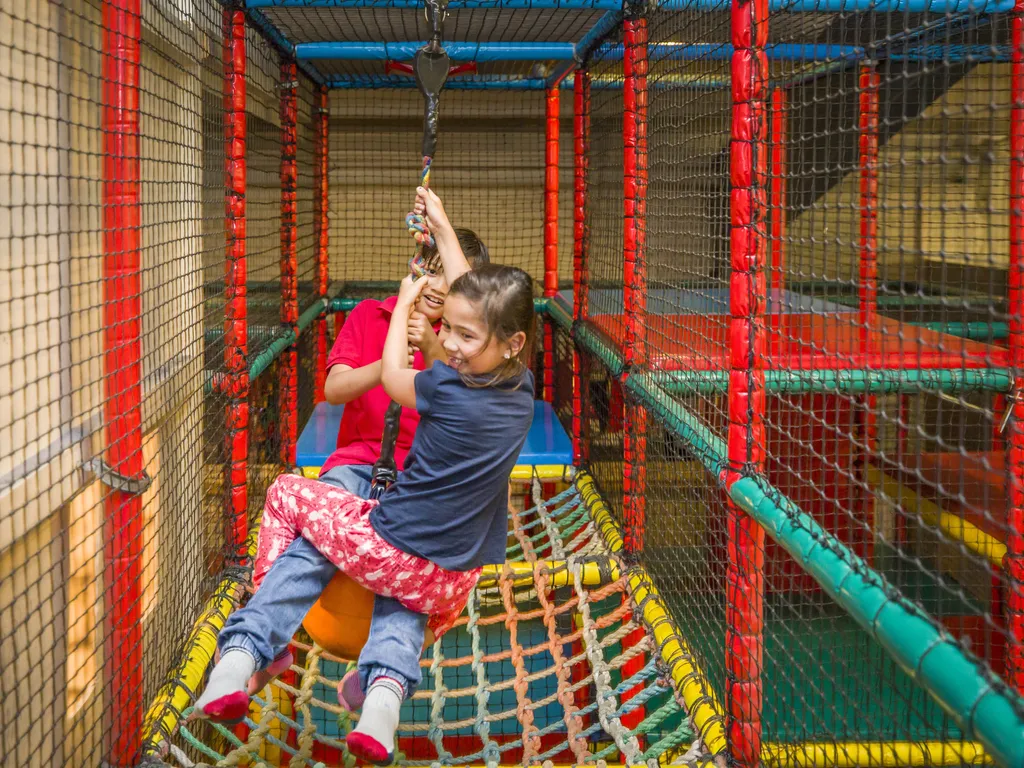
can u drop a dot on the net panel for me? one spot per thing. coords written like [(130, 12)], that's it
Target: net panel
[(888, 208), (56, 516), (489, 172), (892, 475), (76, 682), (460, 24)]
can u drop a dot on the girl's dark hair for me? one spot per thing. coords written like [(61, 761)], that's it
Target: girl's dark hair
[(473, 249), (505, 297)]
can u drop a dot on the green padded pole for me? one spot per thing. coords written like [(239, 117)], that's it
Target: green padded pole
[(342, 304), (984, 707), (975, 331), (855, 381)]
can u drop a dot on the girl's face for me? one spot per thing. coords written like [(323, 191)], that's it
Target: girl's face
[(431, 301), (465, 339)]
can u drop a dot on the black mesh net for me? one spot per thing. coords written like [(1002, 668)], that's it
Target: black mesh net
[(878, 305), (488, 170), (866, 166)]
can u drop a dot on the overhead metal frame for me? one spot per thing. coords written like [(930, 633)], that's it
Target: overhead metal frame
[(564, 57)]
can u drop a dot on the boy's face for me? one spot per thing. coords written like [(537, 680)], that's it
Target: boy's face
[(431, 302)]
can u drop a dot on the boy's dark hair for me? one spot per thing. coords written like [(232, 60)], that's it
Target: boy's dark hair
[(473, 249), (505, 298)]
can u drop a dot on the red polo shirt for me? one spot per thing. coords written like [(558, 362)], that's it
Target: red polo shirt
[(360, 343)]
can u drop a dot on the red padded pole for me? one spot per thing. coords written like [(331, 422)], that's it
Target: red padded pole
[(122, 378), (322, 230), (634, 133), (288, 368), (236, 338), (1014, 560), (634, 136), (777, 205), (748, 157), (581, 125), (552, 114), (867, 123)]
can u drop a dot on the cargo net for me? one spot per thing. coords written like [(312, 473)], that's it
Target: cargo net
[(556, 659), (880, 325)]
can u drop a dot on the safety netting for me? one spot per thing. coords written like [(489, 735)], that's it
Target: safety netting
[(795, 268), (562, 656)]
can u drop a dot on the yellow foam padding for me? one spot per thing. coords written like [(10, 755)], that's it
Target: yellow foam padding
[(854, 754), (278, 729), (519, 472), (701, 703), (174, 697), (951, 524), (594, 574)]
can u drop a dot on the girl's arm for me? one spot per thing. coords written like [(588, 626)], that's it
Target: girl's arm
[(396, 375)]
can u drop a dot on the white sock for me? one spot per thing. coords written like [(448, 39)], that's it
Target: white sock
[(379, 717), (231, 674)]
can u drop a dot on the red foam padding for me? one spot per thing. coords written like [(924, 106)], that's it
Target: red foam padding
[(805, 342)]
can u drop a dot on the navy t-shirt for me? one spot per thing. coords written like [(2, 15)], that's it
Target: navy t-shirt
[(450, 505)]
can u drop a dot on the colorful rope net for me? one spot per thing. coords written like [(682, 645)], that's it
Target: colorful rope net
[(532, 674)]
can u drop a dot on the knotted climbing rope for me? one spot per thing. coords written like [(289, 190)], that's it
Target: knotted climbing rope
[(417, 226), (430, 66)]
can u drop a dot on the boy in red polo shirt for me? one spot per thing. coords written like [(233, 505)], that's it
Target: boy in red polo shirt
[(294, 583)]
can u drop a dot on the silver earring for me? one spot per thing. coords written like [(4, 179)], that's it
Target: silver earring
[(508, 354)]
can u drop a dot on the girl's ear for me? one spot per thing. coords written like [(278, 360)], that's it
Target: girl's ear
[(516, 343)]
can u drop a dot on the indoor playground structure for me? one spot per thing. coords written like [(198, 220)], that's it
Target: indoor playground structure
[(771, 507)]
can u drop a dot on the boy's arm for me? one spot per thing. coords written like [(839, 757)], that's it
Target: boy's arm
[(345, 383), (396, 375), (452, 258), (347, 376)]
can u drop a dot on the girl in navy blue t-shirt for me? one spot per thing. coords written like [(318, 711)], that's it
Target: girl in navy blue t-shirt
[(427, 538)]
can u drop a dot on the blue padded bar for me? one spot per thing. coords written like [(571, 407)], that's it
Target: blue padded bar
[(506, 83), (793, 6), (457, 51), (453, 5), (546, 442), (485, 52)]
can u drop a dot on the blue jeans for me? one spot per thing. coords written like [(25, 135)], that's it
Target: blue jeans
[(267, 623)]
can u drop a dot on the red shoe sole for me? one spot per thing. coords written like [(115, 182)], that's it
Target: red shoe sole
[(230, 709), (368, 749)]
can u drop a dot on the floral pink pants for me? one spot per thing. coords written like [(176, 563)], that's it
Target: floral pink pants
[(337, 523)]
